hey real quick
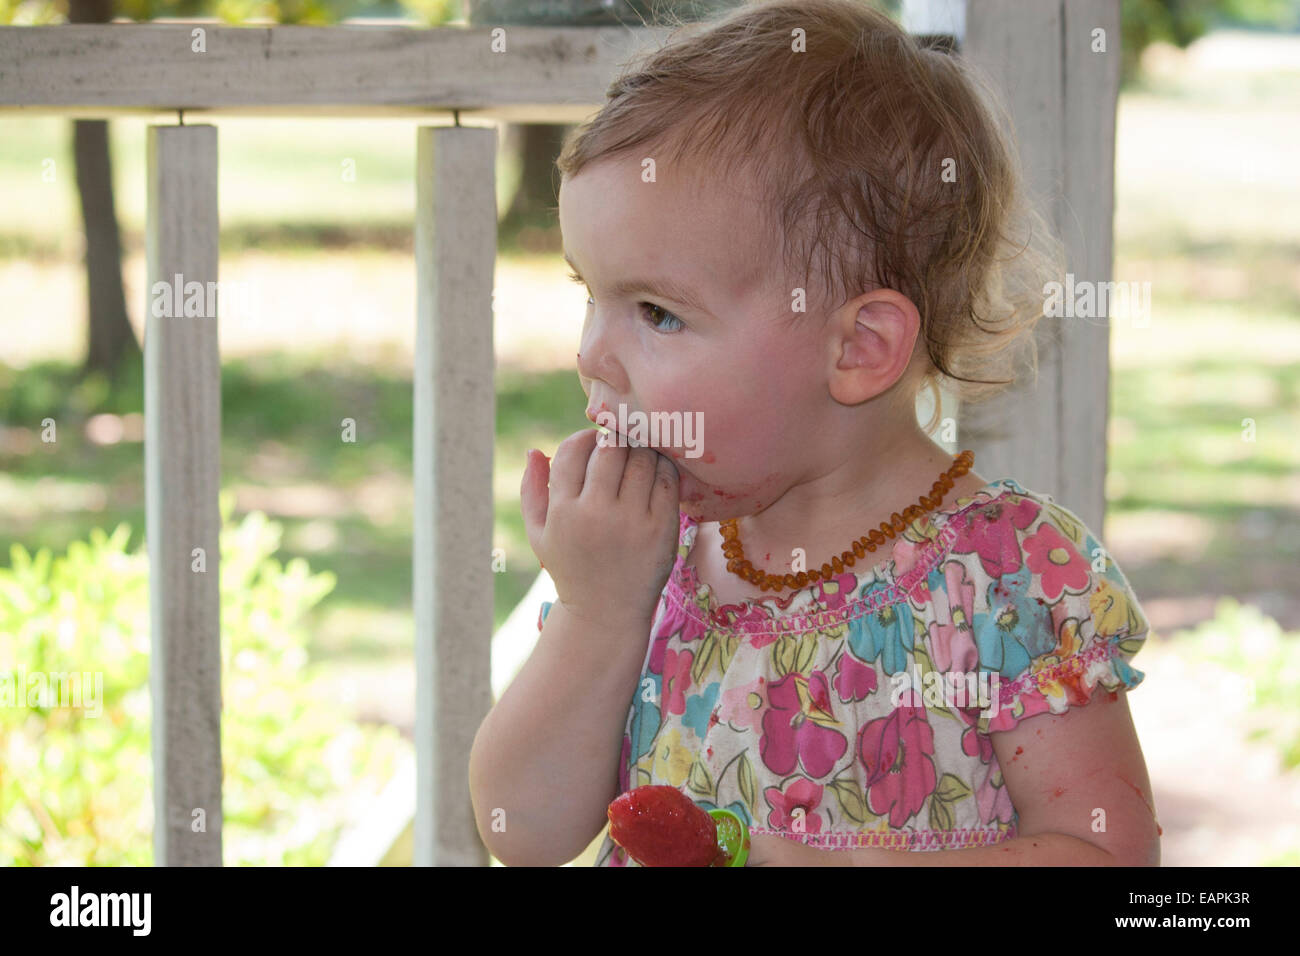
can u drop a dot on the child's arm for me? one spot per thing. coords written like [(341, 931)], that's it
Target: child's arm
[(604, 522), (547, 754)]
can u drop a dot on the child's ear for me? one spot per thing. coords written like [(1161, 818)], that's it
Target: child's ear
[(872, 339)]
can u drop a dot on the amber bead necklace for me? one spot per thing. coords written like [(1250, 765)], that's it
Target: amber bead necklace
[(739, 566)]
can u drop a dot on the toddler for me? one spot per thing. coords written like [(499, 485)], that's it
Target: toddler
[(789, 221)]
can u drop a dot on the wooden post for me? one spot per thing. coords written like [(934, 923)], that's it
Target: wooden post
[(455, 421), (182, 477), (1062, 97)]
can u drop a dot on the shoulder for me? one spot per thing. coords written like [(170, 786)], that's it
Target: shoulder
[(1050, 609), (1026, 540)]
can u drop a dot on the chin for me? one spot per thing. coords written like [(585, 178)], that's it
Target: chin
[(704, 503)]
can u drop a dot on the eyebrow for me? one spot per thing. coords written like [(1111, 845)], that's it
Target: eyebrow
[(661, 288)]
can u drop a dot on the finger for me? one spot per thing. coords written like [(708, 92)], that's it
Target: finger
[(569, 467), (534, 496), (605, 468), (667, 487), (639, 472)]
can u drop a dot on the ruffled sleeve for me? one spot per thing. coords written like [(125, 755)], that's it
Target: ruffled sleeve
[(1061, 625)]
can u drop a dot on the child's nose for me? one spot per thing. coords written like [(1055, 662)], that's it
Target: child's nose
[(596, 364)]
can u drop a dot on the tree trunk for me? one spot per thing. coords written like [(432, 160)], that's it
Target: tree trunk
[(111, 340), (531, 212)]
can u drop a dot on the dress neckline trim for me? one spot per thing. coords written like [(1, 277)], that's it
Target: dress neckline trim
[(760, 616)]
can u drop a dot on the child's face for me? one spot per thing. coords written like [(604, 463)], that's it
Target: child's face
[(756, 386)]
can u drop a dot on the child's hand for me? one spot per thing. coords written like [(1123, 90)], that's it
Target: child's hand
[(606, 529)]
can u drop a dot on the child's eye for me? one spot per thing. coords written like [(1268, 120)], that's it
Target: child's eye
[(666, 313), (655, 324)]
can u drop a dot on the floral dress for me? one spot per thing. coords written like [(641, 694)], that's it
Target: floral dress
[(858, 712)]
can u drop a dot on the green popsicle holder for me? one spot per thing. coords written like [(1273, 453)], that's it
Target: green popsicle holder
[(733, 835)]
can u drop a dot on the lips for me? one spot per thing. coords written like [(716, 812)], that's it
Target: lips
[(627, 440)]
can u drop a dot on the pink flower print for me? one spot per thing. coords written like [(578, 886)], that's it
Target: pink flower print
[(743, 705), (676, 622), (803, 794), (896, 751), (853, 679), (752, 619), (677, 678), (624, 758), (677, 617), (834, 594), (906, 553), (952, 643), (990, 531), (1056, 560), (799, 727), (657, 648), (973, 743), (993, 802)]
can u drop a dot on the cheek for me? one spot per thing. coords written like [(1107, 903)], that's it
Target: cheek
[(728, 439)]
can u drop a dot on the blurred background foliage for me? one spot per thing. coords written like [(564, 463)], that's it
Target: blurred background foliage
[(76, 782)]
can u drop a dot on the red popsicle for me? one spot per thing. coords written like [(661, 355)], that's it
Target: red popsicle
[(661, 826)]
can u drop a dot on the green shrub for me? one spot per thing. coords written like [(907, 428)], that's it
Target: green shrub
[(76, 787)]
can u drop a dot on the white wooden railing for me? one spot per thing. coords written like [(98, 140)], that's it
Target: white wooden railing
[(1062, 99)]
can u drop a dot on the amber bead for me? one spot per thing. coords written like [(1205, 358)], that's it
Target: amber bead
[(848, 558), (837, 565), (801, 579), (876, 538), (858, 549)]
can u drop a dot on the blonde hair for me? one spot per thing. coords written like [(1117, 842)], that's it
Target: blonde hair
[(848, 144)]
